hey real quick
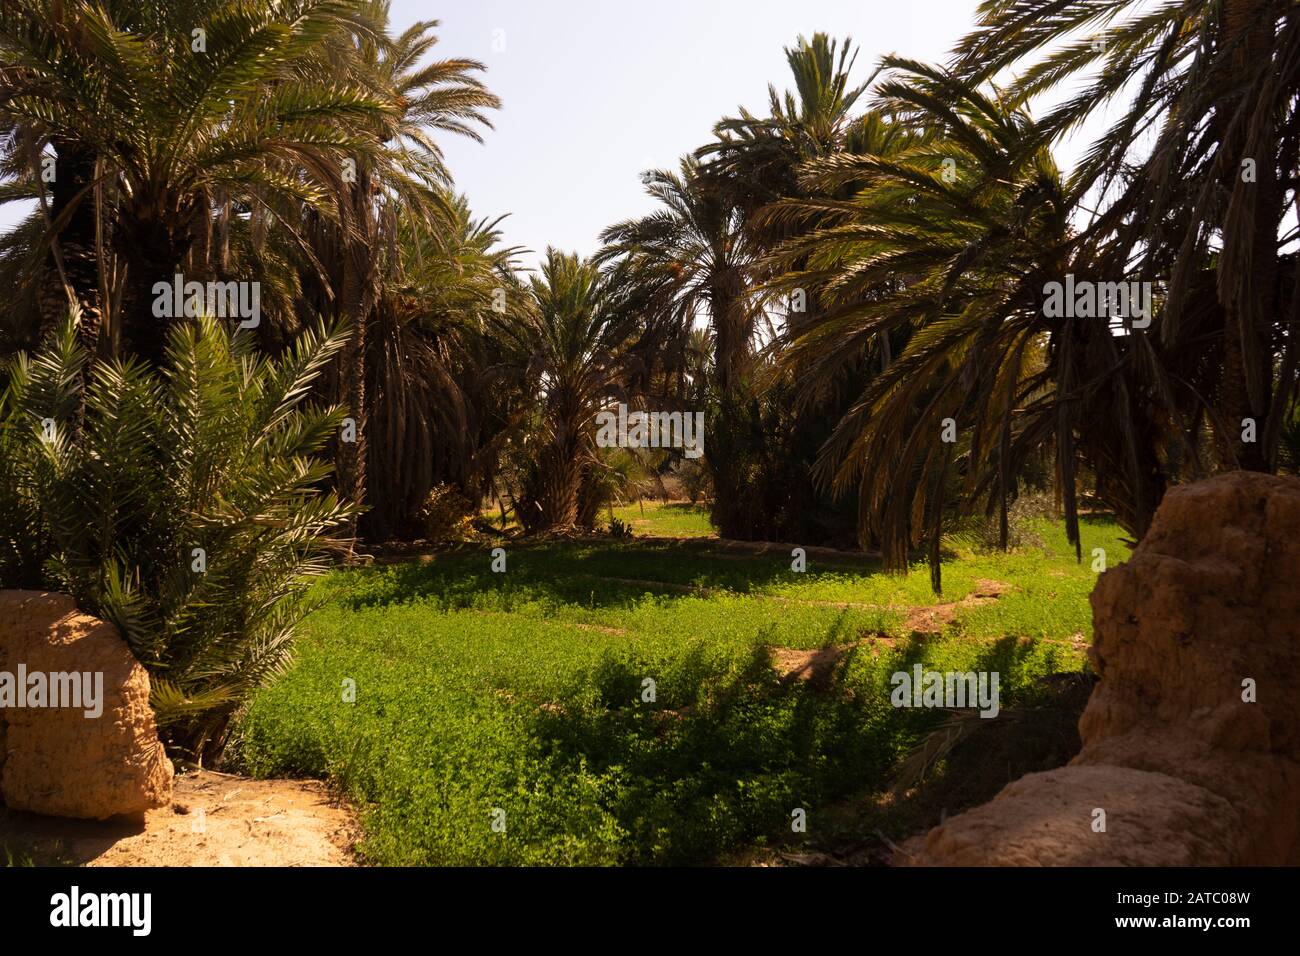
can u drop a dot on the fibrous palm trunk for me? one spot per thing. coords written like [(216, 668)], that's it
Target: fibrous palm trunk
[(72, 273), (154, 236), (1248, 267)]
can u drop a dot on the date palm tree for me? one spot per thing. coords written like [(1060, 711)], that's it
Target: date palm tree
[(572, 345), (404, 176), (173, 106), (697, 239), (757, 159), (762, 449), (942, 250), (183, 505), (435, 399), (1195, 175)]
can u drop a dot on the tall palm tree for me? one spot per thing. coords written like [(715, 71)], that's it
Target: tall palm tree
[(405, 174), (697, 244), (175, 118), (758, 158), (762, 449), (435, 401), (943, 249), (1196, 174), (696, 240)]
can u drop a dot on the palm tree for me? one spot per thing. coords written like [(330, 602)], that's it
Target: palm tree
[(435, 402), (571, 345), (216, 456), (278, 145), (405, 175), (942, 252), (175, 118), (696, 250), (1197, 172), (762, 449), (758, 158), (697, 242)]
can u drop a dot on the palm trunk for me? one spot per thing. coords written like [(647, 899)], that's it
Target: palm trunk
[(153, 241), (560, 476), (350, 462), (1248, 304), (72, 253), (560, 484), (223, 233), (355, 303), (725, 449)]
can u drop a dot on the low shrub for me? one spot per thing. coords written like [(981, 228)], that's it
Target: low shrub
[(182, 504), (447, 515)]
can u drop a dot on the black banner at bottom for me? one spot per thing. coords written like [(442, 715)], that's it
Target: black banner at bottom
[(141, 906)]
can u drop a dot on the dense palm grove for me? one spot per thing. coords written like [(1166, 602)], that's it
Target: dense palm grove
[(849, 284)]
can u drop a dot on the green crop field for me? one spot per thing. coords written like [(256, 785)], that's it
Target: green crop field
[(668, 519), (624, 702)]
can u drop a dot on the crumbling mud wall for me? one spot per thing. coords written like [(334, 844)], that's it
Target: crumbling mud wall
[(96, 758), (1191, 739)]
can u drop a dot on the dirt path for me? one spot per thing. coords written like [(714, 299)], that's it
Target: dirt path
[(933, 618), (215, 820), (816, 666)]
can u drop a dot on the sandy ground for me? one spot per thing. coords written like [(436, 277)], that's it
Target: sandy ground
[(214, 820)]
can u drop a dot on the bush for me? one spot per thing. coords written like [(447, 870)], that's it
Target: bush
[(695, 478), (981, 533), (447, 515), (184, 505)]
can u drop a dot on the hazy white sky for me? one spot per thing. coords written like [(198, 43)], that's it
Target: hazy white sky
[(596, 91)]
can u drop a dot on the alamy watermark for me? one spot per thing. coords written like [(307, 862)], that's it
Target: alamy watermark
[(222, 300), (949, 689), (82, 690), (1085, 299), (624, 429), (130, 910)]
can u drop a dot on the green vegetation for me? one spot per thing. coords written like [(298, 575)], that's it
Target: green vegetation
[(666, 519), (184, 507), (849, 287), (10, 857), (523, 691)]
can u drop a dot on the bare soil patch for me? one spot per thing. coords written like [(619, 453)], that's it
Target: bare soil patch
[(816, 666), (812, 667), (933, 618), (214, 820)]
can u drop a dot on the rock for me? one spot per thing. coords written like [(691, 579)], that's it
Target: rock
[(1186, 770), (59, 760), (1046, 819)]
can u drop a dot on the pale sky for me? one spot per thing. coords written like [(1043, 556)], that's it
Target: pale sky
[(596, 91)]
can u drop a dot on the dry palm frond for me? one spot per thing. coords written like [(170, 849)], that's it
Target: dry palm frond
[(940, 742)]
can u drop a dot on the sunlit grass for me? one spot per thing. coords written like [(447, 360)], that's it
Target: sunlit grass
[(523, 691), (667, 519)]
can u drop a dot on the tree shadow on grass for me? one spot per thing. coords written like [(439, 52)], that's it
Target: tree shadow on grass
[(702, 766), (724, 757), (613, 574), (968, 763)]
